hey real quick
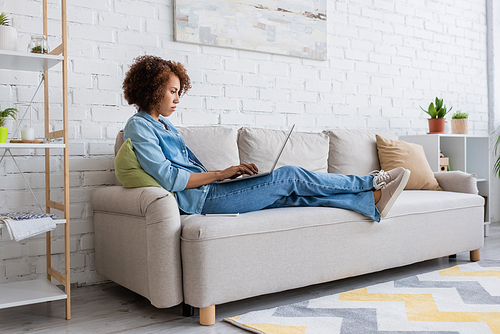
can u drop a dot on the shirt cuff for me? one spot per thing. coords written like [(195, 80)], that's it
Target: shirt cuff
[(181, 180)]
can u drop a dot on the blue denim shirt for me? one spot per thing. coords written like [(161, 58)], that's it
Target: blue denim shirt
[(163, 154)]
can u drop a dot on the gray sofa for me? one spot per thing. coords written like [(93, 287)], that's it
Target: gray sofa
[(144, 244)]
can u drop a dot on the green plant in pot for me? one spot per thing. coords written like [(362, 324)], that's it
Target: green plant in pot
[(496, 166), (436, 113), (9, 112), (460, 123), (4, 20)]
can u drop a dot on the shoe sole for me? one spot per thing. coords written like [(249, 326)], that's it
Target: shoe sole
[(394, 197)]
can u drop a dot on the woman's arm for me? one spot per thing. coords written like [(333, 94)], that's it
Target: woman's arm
[(151, 157), (200, 179)]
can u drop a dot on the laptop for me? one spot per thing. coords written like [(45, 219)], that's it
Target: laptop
[(247, 176)]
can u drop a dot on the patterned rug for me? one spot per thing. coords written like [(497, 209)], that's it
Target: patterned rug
[(463, 299)]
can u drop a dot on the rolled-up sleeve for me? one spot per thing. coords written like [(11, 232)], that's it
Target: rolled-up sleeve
[(152, 160)]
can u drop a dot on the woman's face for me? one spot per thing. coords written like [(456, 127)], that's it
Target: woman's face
[(170, 99)]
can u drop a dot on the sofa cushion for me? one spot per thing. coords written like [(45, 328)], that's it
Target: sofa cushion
[(354, 151), (119, 141), (279, 249), (260, 146), (409, 203), (128, 170), (215, 146), (398, 153), (118, 145), (457, 181)]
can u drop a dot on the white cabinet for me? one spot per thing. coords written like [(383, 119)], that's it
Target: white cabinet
[(43, 290), (470, 154)]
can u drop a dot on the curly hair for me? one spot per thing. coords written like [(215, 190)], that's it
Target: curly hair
[(146, 81)]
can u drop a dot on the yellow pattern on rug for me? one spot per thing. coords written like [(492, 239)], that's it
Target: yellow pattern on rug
[(460, 299), (422, 307), (277, 329), (456, 271)]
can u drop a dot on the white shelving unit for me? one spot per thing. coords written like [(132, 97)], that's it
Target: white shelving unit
[(43, 290), (466, 153), (57, 221), (29, 292), (16, 60), (25, 146)]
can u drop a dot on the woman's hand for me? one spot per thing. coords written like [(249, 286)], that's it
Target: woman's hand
[(235, 171), (200, 179)]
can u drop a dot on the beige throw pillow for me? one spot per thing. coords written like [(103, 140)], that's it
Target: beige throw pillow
[(397, 153)]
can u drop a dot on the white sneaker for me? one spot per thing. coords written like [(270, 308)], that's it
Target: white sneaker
[(390, 193), (382, 178)]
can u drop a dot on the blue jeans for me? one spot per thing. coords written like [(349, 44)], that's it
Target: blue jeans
[(294, 186)]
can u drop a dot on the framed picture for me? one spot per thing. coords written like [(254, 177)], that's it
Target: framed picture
[(287, 27)]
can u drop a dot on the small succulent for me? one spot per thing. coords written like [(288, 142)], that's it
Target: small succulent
[(4, 19), (460, 115), (6, 113), (38, 49), (437, 111)]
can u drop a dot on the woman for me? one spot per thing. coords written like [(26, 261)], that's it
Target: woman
[(155, 85)]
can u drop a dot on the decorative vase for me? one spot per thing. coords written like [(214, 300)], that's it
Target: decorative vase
[(436, 125), (460, 126), (3, 134), (8, 38)]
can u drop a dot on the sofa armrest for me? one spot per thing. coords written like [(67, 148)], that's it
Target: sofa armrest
[(457, 181), (137, 241), (135, 201)]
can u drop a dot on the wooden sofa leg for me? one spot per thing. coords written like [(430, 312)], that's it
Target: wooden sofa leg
[(207, 315), (475, 255)]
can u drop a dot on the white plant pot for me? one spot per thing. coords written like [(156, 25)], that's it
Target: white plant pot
[(8, 38)]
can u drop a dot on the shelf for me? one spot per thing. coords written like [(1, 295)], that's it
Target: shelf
[(451, 135), (25, 61), (468, 153), (29, 292), (58, 221), (22, 145)]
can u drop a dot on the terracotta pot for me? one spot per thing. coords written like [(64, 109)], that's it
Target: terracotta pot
[(460, 126), (436, 125), (3, 134)]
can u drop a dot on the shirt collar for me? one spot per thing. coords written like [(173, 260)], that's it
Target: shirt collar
[(156, 123)]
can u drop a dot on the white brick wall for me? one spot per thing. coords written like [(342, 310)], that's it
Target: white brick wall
[(385, 59)]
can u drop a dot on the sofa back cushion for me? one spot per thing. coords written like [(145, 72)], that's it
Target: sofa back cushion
[(118, 141), (260, 146), (354, 151), (215, 146), (118, 145)]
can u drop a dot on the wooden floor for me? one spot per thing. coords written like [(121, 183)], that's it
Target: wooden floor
[(109, 308)]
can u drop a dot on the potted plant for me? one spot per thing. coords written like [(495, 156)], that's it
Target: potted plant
[(460, 123), (8, 34), (3, 115), (496, 166), (436, 113)]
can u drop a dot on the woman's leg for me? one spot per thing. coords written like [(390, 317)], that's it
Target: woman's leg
[(294, 186)]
